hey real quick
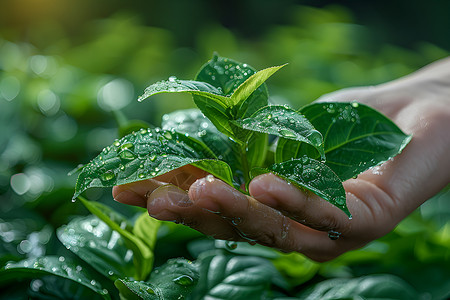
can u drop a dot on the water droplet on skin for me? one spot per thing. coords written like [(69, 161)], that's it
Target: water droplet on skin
[(236, 221), (333, 235), (184, 280), (231, 245), (209, 178)]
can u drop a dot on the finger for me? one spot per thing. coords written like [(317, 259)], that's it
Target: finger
[(263, 224), (170, 203), (303, 207), (135, 193)]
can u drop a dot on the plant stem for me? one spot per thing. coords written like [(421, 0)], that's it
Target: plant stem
[(244, 161)]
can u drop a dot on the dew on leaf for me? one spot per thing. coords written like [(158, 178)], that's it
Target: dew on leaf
[(151, 291), (126, 146), (107, 176), (355, 104), (231, 245), (127, 155), (184, 280), (287, 133), (141, 175)]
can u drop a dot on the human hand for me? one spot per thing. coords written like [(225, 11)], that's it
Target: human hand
[(279, 215)]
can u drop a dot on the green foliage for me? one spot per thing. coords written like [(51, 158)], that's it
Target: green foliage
[(352, 127), (57, 98)]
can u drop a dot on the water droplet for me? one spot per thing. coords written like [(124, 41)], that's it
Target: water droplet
[(269, 116), (152, 157), (209, 178), (156, 169), (93, 282), (184, 280), (121, 167), (151, 291), (287, 133), (110, 273), (231, 245), (333, 235), (107, 176), (79, 268), (141, 175), (355, 104), (126, 146), (143, 131), (172, 78), (117, 143), (61, 258), (236, 221), (153, 173), (168, 135), (141, 166), (127, 154)]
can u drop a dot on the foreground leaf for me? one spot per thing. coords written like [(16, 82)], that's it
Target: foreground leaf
[(356, 137), (142, 254), (310, 174), (97, 244), (52, 265), (376, 287), (233, 277), (286, 123), (147, 154), (192, 87), (174, 280)]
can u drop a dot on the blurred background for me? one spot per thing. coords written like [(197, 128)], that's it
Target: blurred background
[(68, 68)]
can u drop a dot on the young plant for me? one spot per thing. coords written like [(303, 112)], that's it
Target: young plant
[(316, 148)]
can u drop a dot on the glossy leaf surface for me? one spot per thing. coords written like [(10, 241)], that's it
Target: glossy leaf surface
[(228, 75), (102, 248), (147, 154), (286, 123), (174, 280), (192, 87), (356, 137), (52, 265), (368, 287), (142, 253), (233, 277), (310, 174)]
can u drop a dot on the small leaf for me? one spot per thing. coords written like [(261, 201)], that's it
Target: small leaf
[(142, 255), (97, 244), (356, 137), (285, 123), (52, 265), (312, 175), (192, 87), (147, 154), (228, 75), (251, 84), (174, 280), (146, 229), (233, 277)]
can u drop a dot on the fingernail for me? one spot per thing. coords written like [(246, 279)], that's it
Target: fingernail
[(260, 188), (202, 191), (167, 197)]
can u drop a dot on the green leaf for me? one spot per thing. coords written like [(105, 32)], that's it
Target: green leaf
[(142, 254), (146, 229), (95, 243), (146, 154), (233, 277), (228, 75), (251, 84), (286, 123), (52, 265), (312, 175), (174, 280), (356, 137), (196, 125), (192, 87), (376, 287)]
